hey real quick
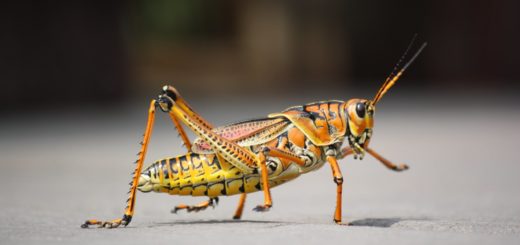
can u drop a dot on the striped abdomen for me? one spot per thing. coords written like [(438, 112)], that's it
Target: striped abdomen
[(197, 175)]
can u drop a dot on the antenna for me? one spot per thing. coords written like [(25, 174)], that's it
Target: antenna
[(391, 79)]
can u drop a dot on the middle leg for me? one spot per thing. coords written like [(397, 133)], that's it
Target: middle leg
[(338, 179), (240, 208), (212, 202), (274, 152)]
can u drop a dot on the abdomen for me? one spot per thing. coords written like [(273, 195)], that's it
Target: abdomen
[(197, 175)]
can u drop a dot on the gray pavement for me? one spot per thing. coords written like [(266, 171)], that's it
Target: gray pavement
[(58, 169)]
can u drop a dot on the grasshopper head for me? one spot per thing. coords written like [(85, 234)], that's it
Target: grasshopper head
[(360, 113)]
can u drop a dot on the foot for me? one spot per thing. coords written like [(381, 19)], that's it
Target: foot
[(108, 224), (195, 208), (400, 167), (338, 222), (262, 208)]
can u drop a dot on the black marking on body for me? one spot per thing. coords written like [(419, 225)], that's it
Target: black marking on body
[(182, 163), (333, 115), (172, 162), (194, 156), (162, 166), (215, 163), (272, 165), (242, 187), (165, 173), (281, 137), (171, 94), (314, 115)]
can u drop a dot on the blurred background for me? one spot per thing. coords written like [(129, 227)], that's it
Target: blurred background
[(88, 53)]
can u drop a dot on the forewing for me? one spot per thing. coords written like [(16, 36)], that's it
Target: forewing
[(246, 133)]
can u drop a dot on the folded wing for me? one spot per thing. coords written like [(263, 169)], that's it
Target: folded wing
[(246, 133)]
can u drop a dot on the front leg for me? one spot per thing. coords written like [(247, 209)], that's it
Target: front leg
[(401, 167), (345, 151), (387, 163)]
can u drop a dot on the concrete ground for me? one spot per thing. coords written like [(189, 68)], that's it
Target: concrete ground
[(58, 169)]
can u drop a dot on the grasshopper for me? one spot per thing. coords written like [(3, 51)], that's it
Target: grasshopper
[(255, 155)]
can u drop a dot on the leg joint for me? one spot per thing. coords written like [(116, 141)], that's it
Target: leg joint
[(266, 150), (164, 103), (338, 180), (126, 220)]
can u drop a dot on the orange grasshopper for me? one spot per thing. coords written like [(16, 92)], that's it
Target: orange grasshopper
[(255, 155)]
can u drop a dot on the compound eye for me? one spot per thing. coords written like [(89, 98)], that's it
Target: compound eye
[(360, 110)]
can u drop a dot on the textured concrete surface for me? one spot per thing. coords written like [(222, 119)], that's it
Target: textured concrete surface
[(59, 168)]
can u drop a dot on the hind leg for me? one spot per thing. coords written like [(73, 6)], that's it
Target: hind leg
[(130, 203)]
